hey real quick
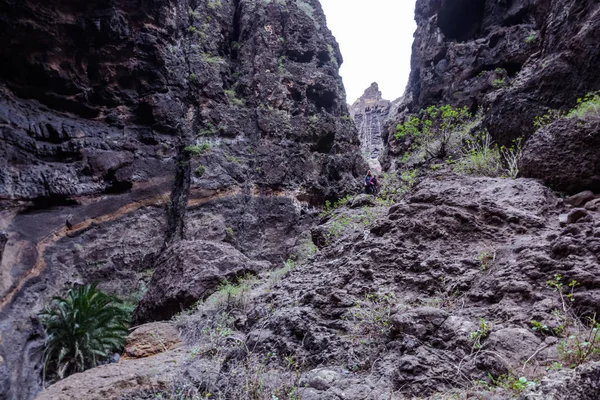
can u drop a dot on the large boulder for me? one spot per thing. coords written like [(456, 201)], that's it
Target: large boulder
[(189, 271), (150, 339), (565, 155)]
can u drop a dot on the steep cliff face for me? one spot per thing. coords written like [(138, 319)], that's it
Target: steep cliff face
[(515, 59), (370, 112), (124, 124)]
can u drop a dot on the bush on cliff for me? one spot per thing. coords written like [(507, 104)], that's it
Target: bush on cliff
[(83, 328)]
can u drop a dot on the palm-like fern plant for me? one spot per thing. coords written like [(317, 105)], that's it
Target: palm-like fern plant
[(83, 328)]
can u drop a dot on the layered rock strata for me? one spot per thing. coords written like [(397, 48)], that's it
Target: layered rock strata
[(121, 125)]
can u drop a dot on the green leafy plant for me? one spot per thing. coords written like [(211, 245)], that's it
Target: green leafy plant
[(499, 83), (540, 327), (328, 208), (199, 172), (197, 150), (83, 328), (235, 45), (193, 78), (485, 259), (576, 349), (436, 131), (508, 382), (481, 333)]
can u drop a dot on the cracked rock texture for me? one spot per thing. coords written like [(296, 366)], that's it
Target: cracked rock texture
[(370, 112), (119, 118), (515, 59)]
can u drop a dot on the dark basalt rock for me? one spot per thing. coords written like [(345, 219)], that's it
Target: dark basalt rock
[(99, 105), (565, 155), (515, 60)]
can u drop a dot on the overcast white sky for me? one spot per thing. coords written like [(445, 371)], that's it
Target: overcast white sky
[(375, 37)]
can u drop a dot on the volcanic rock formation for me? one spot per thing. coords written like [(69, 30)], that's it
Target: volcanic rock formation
[(122, 124), (370, 112), (515, 60)]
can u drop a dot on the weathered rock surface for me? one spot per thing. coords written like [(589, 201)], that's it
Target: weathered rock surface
[(515, 60), (370, 112), (150, 339), (190, 271), (115, 381), (388, 307), (118, 119), (565, 155)]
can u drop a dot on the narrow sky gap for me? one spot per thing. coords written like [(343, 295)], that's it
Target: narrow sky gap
[(375, 37)]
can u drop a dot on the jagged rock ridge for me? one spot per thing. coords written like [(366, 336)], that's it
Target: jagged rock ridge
[(370, 112)]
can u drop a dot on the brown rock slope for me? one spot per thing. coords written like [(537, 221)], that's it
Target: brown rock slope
[(124, 124)]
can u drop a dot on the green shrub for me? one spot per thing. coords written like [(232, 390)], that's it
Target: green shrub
[(230, 295), (531, 38), (481, 333), (479, 157), (328, 208), (395, 185), (372, 316), (82, 329), (586, 106), (438, 133), (199, 172), (583, 346), (214, 4), (499, 83), (231, 97), (197, 150), (508, 382), (511, 156)]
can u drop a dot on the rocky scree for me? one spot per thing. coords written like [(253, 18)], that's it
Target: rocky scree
[(395, 302)]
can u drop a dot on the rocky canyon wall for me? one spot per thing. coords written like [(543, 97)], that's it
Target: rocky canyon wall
[(134, 132), (516, 60), (369, 113)]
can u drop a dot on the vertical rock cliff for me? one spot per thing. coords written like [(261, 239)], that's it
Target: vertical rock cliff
[(370, 112), (518, 57), (516, 60), (134, 128)]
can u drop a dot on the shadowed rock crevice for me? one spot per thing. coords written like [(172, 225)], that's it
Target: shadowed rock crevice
[(460, 19)]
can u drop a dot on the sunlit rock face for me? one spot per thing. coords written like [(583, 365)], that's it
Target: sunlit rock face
[(370, 112)]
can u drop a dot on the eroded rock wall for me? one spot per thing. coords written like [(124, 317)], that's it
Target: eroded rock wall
[(370, 112), (514, 59), (123, 122)]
